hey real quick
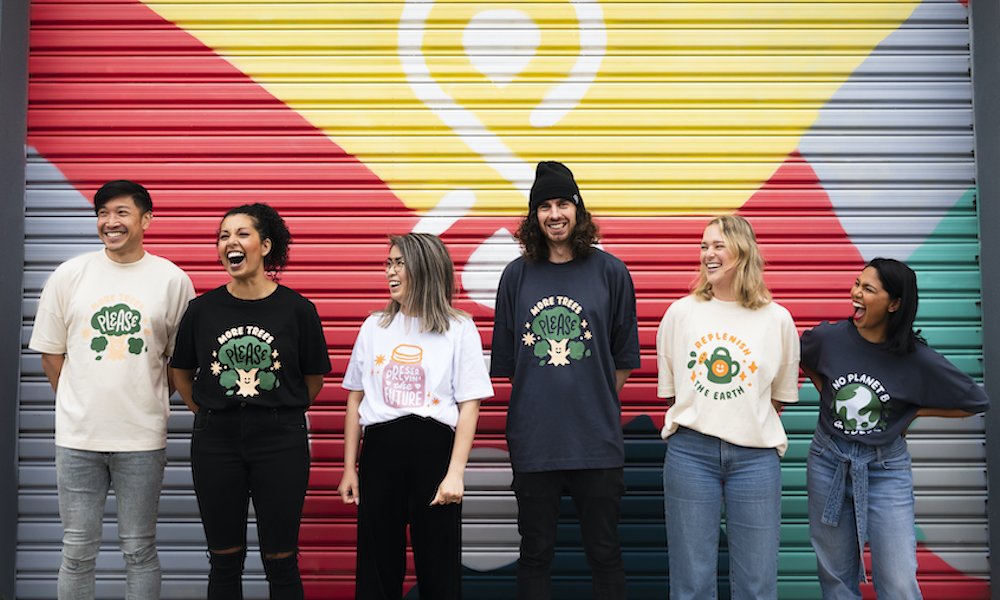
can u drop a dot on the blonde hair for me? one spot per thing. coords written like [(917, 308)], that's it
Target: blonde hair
[(748, 275), (430, 279)]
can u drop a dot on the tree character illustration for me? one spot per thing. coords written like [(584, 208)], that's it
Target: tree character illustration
[(558, 332), (243, 364), (116, 322)]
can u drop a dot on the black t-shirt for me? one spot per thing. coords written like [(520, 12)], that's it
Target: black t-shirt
[(871, 395), (561, 331), (253, 351)]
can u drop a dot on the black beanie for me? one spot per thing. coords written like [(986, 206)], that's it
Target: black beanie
[(553, 180)]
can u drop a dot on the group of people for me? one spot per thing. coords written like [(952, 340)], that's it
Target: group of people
[(248, 358)]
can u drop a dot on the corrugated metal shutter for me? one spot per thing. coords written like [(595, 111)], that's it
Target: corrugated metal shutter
[(843, 130)]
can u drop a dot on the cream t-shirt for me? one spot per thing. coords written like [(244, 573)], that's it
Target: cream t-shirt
[(723, 364), (116, 325)]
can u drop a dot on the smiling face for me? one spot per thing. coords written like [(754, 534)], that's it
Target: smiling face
[(718, 262), (240, 248), (121, 226), (872, 306), (395, 274), (557, 218)]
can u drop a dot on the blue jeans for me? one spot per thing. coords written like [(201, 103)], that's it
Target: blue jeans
[(857, 492), (700, 472), (83, 479)]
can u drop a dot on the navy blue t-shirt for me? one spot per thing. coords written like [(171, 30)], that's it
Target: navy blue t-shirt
[(871, 395), (560, 332)]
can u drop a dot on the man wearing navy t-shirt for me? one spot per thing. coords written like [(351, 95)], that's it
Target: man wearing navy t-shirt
[(565, 334)]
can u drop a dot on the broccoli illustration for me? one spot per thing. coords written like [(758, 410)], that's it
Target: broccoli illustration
[(115, 322), (558, 331), (245, 360)]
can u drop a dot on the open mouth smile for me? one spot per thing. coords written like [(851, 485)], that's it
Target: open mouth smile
[(235, 258)]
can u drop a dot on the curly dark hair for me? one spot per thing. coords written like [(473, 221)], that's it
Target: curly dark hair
[(534, 244), (270, 226)]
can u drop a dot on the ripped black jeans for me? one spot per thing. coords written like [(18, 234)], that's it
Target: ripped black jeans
[(243, 453)]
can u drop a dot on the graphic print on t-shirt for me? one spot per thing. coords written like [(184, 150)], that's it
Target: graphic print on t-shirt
[(246, 361), (721, 366), (403, 379), (860, 404), (117, 328), (556, 332)]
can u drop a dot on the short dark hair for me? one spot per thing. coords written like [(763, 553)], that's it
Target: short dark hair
[(270, 226), (123, 187), (535, 246), (900, 282)]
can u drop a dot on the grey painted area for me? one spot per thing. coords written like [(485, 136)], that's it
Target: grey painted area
[(945, 161), (985, 17), (13, 102)]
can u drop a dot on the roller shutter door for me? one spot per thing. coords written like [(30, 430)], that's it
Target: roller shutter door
[(842, 130)]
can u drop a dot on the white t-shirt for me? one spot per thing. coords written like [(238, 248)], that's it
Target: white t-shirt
[(116, 324), (723, 364), (405, 372)]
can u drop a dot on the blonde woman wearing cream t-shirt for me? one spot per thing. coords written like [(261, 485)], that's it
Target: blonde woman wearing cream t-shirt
[(727, 357)]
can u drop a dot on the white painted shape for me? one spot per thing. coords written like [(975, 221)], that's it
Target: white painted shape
[(482, 271), (503, 539), (500, 43), (568, 94), (459, 119), (453, 206), (817, 145)]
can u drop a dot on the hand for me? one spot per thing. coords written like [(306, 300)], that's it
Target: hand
[(348, 487), (450, 491)]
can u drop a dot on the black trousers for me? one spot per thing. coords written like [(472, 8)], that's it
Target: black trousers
[(401, 465), (597, 494), (243, 453)]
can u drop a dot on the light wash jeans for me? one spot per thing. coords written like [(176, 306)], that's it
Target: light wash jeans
[(857, 492), (700, 473), (83, 479)]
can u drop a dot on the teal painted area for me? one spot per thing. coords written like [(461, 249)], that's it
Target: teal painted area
[(949, 287), (950, 315)]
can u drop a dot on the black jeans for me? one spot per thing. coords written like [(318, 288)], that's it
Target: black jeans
[(597, 494), (251, 452), (402, 463)]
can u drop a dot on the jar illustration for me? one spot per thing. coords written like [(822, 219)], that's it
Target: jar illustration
[(403, 377), (722, 368)]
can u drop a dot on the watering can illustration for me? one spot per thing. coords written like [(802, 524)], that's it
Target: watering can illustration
[(721, 367)]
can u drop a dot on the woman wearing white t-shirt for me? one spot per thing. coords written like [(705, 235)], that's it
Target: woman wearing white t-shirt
[(415, 378), (727, 357)]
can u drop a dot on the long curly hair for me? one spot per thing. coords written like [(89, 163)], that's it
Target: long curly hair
[(534, 244), (270, 226)]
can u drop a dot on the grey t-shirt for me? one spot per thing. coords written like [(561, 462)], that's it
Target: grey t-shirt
[(871, 395), (561, 331)]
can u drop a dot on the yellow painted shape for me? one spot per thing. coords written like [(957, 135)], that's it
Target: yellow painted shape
[(694, 106)]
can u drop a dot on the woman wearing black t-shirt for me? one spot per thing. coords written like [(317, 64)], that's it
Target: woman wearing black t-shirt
[(875, 375), (249, 359)]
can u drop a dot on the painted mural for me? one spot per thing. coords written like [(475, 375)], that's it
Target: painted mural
[(359, 119)]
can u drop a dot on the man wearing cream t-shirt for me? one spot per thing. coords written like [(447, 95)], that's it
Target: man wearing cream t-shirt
[(105, 327)]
